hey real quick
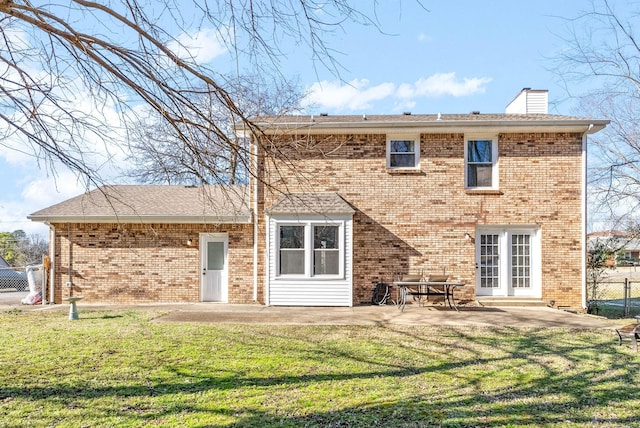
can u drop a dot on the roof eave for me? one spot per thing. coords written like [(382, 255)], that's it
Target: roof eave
[(570, 125), (309, 213), (150, 219)]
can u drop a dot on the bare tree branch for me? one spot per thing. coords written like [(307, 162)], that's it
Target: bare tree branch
[(602, 56), (76, 76)]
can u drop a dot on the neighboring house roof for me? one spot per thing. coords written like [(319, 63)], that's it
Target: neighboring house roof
[(152, 204), (632, 244), (3, 263), (442, 122), (615, 240), (607, 234), (310, 203)]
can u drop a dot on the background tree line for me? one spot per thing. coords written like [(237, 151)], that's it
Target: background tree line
[(18, 249)]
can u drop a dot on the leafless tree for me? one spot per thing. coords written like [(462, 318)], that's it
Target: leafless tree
[(19, 249), (68, 67), (160, 158), (602, 55)]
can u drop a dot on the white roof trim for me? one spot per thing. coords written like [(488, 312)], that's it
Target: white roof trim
[(148, 219), (502, 126)]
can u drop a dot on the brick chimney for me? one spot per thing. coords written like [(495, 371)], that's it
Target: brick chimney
[(530, 101)]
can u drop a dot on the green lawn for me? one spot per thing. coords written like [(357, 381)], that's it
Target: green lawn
[(118, 368)]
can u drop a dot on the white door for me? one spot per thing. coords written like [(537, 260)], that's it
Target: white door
[(213, 251), (488, 265), (521, 272), (508, 262)]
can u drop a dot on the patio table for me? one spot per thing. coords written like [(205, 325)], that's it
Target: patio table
[(427, 288)]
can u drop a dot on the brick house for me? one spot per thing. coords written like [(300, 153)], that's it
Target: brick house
[(496, 201), (625, 246)]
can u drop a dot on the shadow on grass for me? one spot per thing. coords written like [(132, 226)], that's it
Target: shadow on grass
[(471, 360)]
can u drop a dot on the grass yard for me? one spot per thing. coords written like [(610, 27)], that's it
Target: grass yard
[(118, 368)]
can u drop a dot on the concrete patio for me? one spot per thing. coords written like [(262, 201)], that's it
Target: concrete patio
[(380, 315), (358, 315)]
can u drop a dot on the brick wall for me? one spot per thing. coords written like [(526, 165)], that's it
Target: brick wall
[(137, 263), (412, 221)]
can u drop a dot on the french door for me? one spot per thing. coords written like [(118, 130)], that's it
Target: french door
[(508, 262)]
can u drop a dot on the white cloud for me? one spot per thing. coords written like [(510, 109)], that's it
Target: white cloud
[(42, 192), (354, 95), (13, 217), (440, 84), (201, 47), (30, 185), (357, 95), (13, 38), (37, 192)]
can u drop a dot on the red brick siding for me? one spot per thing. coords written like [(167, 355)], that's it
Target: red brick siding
[(136, 263), (413, 221)]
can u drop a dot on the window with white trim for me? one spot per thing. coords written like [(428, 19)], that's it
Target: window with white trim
[(326, 250), (291, 250), (310, 249), (403, 152), (481, 155)]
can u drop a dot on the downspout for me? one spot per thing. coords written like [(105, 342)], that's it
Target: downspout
[(70, 281), (52, 258), (583, 209), (254, 150)]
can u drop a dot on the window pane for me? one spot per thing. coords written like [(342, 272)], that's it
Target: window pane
[(291, 250), (479, 151), (479, 175), (402, 146), (326, 262), (291, 236), (402, 160), (291, 262), (215, 255), (325, 237)]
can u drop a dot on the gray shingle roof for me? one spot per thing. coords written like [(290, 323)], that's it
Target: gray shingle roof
[(147, 203), (412, 118), (390, 122), (310, 203)]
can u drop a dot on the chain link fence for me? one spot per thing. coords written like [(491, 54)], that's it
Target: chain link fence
[(618, 298), (14, 279)]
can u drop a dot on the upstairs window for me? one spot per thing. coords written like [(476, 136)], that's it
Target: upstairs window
[(480, 158), (403, 153)]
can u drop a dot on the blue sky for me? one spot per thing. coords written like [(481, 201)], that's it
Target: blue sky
[(455, 57)]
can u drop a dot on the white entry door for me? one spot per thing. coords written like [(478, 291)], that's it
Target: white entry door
[(214, 282), (508, 262)]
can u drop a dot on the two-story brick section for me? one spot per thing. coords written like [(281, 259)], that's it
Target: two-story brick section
[(494, 201)]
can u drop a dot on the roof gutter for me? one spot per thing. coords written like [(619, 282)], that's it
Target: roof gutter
[(575, 125), (238, 219)]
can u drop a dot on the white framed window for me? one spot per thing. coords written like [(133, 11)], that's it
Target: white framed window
[(481, 163), (310, 249), (326, 249), (291, 250), (403, 152)]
